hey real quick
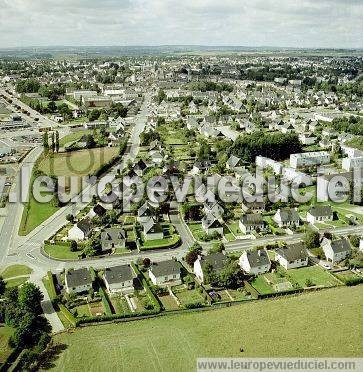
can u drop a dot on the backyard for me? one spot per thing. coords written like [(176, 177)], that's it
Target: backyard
[(175, 341)]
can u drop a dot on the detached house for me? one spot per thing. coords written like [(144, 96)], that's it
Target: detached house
[(113, 238), (233, 162), (96, 211), (319, 214), (287, 217), (78, 281), (216, 261), (211, 224), (119, 279), (253, 207), (336, 250), (152, 230), (165, 273), (250, 223), (80, 231), (255, 262), (292, 256)]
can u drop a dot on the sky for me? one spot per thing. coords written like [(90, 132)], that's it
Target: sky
[(280, 23)]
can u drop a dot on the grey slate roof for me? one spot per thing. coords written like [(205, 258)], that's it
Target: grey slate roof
[(78, 277), (118, 274), (293, 252), (340, 245), (164, 268), (289, 214), (321, 210), (258, 258), (216, 260), (252, 219)]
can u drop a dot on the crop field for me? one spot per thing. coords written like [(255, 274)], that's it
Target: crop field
[(308, 325)]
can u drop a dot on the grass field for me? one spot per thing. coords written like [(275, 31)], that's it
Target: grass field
[(11, 283), (313, 325), (61, 252), (5, 349), (77, 163), (317, 275), (15, 270)]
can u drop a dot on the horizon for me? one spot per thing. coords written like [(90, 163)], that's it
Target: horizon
[(287, 24)]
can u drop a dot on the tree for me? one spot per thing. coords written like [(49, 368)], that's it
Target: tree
[(52, 143), (191, 257), (2, 286), (56, 141), (90, 141), (70, 218), (312, 239), (74, 246), (52, 107), (45, 141), (146, 262), (29, 298), (354, 240)]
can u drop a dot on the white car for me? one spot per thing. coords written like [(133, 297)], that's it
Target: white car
[(326, 266)]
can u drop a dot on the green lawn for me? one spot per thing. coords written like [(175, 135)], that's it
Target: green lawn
[(262, 286), (5, 349), (120, 304), (11, 283), (74, 136), (82, 311), (16, 270), (316, 274), (262, 328), (60, 252), (161, 243), (188, 296)]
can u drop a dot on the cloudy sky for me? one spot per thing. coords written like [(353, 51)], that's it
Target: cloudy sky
[(296, 23)]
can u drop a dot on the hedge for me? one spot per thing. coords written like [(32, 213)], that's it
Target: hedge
[(251, 289), (52, 291), (154, 300), (69, 316), (105, 318), (105, 302)]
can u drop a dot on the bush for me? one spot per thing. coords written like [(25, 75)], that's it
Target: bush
[(68, 315), (106, 304), (52, 290)]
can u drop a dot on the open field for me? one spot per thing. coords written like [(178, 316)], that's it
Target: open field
[(313, 324), (77, 163)]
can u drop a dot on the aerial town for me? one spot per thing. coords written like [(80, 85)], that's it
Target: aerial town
[(188, 118)]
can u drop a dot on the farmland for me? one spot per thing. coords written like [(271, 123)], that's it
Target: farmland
[(175, 341)]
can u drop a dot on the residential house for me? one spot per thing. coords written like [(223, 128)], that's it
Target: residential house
[(336, 250), (250, 223), (78, 281), (292, 256), (287, 217), (119, 279), (96, 211), (255, 262), (152, 229), (211, 224), (233, 162), (80, 231), (215, 261), (321, 213), (113, 237), (253, 207), (165, 272)]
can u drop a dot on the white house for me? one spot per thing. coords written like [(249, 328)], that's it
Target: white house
[(287, 217), (252, 222), (215, 260), (255, 262), (80, 231), (292, 256), (321, 213), (165, 272), (119, 279), (336, 250), (152, 229), (78, 281)]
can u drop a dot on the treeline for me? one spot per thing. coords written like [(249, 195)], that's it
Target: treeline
[(20, 308), (277, 146), (208, 86), (352, 125)]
